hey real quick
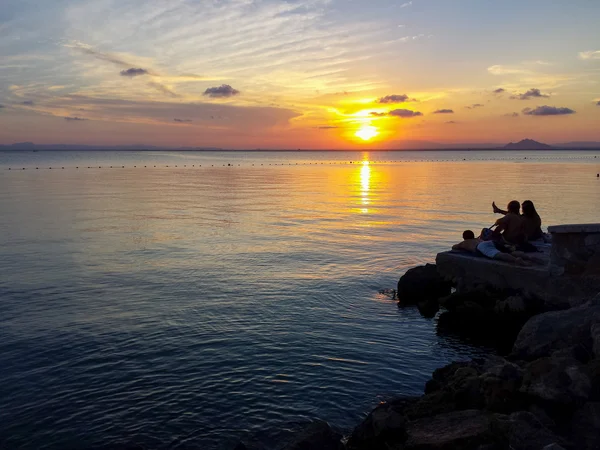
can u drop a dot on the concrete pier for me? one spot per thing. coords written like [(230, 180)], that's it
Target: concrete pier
[(572, 270)]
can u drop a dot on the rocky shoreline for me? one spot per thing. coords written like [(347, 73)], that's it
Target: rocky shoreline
[(542, 393)]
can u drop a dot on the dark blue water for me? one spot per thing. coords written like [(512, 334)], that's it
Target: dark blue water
[(188, 307)]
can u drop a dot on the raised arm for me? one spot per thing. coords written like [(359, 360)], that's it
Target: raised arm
[(498, 210)]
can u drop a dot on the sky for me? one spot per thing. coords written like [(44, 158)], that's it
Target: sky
[(319, 74)]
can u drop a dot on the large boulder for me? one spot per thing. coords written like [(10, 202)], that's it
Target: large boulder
[(523, 431), (457, 430), (422, 285), (383, 428), (585, 426), (317, 435), (560, 379), (556, 330)]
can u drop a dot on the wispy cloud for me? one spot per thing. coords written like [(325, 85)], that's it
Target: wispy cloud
[(377, 114), (133, 72), (222, 91), (404, 5), (499, 69), (405, 113), (74, 119), (598, 104), (162, 88), (548, 111), (28, 103), (182, 120), (396, 98), (443, 111), (513, 114), (451, 122), (499, 91), (326, 127), (475, 105), (591, 54), (531, 93)]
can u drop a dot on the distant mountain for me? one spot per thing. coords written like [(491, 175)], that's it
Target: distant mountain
[(527, 144)]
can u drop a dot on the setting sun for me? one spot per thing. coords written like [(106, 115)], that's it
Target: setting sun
[(366, 132)]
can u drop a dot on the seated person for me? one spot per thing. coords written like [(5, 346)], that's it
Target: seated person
[(532, 222), (510, 227), (489, 249)]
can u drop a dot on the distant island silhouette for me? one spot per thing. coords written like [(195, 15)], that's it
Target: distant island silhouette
[(527, 144)]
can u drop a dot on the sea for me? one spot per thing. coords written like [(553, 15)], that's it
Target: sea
[(192, 300)]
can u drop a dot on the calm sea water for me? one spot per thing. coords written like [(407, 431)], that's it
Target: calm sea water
[(233, 295)]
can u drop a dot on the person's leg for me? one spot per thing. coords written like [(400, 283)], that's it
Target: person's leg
[(528, 257), (507, 257)]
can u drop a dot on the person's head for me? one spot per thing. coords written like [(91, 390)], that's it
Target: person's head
[(514, 207), (468, 234), (529, 209)]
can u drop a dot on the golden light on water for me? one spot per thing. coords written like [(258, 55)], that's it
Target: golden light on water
[(365, 184), (366, 132)]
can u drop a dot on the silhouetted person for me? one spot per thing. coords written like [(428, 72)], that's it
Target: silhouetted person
[(532, 222), (491, 250), (510, 227)]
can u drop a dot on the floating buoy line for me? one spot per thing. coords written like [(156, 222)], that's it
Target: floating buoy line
[(188, 166)]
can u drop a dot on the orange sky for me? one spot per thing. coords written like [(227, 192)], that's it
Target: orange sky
[(306, 74)]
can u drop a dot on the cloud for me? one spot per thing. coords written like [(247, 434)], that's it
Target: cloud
[(514, 114), (326, 127), (597, 104), (451, 122), (2, 106), (443, 111), (162, 88), (27, 103), (74, 119), (88, 50), (377, 114), (404, 113), (475, 105), (222, 91), (590, 55), (507, 70), (396, 98), (404, 5), (531, 93), (133, 72), (183, 120), (548, 111), (499, 91)]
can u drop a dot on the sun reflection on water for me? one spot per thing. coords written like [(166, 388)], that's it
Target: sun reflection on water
[(365, 184)]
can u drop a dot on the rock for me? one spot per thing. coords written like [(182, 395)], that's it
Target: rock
[(460, 430), (421, 284), (547, 332), (593, 371), (428, 308), (558, 379), (512, 304), (524, 431), (317, 435), (383, 428), (585, 426), (595, 332)]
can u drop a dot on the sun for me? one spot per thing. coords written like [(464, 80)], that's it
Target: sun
[(366, 132)]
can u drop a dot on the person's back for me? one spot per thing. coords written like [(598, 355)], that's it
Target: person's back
[(511, 225), (532, 222)]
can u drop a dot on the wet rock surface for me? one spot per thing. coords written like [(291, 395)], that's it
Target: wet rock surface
[(422, 285)]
